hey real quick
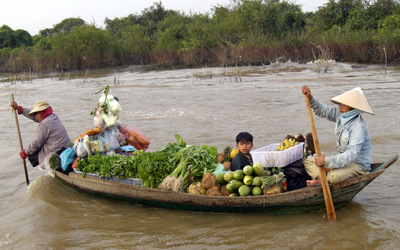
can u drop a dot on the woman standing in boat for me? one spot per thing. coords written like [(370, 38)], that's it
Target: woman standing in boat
[(50, 136), (352, 137)]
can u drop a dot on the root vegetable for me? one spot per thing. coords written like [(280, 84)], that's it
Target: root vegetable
[(209, 181)]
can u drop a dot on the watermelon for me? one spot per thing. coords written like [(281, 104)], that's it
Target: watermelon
[(228, 176), (248, 170), (248, 180), (238, 175), (256, 191), (220, 178), (258, 169), (244, 190)]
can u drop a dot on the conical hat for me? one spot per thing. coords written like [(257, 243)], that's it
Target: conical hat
[(354, 98)]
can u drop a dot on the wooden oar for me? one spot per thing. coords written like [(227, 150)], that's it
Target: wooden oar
[(20, 141), (330, 210)]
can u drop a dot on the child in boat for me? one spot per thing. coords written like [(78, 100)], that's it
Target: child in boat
[(352, 137), (244, 143)]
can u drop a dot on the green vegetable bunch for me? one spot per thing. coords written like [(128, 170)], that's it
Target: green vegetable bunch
[(55, 162), (199, 159), (173, 148), (268, 181), (153, 167), (119, 166), (104, 105)]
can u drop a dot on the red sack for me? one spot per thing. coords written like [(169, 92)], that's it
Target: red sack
[(134, 137)]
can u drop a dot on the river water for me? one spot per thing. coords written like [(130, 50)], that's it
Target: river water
[(211, 106)]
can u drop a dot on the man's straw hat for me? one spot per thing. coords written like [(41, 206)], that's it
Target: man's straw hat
[(39, 106), (354, 98)]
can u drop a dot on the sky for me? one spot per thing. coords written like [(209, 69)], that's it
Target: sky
[(36, 15)]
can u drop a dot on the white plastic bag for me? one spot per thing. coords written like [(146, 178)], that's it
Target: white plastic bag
[(110, 137), (109, 119), (98, 120), (102, 99), (114, 106), (80, 149), (45, 164)]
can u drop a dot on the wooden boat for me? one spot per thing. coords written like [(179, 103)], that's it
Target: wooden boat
[(307, 199)]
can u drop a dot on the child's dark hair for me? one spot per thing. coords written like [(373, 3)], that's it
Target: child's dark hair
[(244, 136)]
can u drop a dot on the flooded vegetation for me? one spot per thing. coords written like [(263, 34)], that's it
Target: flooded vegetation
[(243, 33)]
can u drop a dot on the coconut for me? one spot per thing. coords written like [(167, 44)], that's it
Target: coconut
[(209, 180)]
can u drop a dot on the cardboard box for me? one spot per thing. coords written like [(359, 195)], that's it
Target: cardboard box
[(269, 157)]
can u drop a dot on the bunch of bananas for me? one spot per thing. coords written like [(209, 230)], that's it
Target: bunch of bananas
[(287, 143)]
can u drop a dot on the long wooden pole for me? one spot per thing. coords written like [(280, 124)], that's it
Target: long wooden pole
[(20, 141), (330, 210)]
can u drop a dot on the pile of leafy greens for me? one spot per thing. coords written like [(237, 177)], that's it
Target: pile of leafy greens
[(153, 167)]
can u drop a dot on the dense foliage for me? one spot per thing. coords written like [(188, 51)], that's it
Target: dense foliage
[(244, 32)]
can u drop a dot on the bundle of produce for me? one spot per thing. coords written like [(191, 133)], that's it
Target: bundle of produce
[(175, 147), (242, 182), (119, 166), (199, 159), (151, 168), (308, 140), (55, 162), (272, 184), (287, 143), (298, 137), (105, 114), (175, 181)]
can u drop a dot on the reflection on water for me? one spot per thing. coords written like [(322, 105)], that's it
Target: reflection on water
[(265, 101)]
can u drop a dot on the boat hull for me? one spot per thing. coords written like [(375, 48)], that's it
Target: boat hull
[(308, 199)]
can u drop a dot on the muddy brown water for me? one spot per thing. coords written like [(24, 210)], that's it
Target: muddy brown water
[(207, 105)]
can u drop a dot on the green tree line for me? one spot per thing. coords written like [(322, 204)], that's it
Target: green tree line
[(245, 32)]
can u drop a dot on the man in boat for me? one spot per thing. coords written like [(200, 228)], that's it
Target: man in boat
[(50, 137), (352, 137)]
